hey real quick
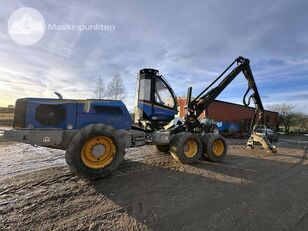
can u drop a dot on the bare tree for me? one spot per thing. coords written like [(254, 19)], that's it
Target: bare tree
[(301, 122), (100, 90), (116, 89), (286, 114), (305, 124)]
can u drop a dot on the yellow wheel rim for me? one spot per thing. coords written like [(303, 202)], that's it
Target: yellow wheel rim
[(218, 147), (190, 148), (98, 151)]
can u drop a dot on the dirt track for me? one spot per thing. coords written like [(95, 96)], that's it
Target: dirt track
[(248, 191)]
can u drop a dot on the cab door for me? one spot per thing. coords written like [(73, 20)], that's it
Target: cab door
[(164, 105), (155, 100)]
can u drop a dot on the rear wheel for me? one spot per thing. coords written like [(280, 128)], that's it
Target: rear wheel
[(95, 151), (163, 148), (215, 147), (186, 147)]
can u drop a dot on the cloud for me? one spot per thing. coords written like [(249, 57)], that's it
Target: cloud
[(190, 43), (303, 96)]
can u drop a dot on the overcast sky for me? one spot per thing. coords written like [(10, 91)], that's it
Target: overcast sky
[(190, 42)]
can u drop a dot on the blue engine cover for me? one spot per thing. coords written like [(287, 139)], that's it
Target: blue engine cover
[(70, 114)]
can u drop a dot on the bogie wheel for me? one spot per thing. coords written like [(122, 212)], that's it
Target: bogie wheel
[(215, 147), (95, 151), (186, 147), (163, 148)]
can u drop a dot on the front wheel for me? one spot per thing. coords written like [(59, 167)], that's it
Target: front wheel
[(186, 147), (95, 151)]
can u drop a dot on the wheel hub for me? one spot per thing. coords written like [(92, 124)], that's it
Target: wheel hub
[(98, 150), (190, 148), (218, 148)]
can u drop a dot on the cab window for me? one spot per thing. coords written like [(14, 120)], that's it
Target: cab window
[(145, 89), (162, 94)]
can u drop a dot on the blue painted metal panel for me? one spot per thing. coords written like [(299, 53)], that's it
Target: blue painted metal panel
[(228, 127), (113, 113), (80, 113), (164, 112), (70, 108), (157, 111), (146, 108)]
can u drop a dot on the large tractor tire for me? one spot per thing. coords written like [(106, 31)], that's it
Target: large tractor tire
[(186, 148), (95, 151), (215, 147), (163, 148)]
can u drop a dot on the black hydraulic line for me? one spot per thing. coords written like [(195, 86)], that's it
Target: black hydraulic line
[(252, 85), (244, 97)]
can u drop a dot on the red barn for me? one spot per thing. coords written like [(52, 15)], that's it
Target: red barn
[(231, 113)]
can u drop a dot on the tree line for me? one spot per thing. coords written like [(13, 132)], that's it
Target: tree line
[(114, 89), (289, 118)]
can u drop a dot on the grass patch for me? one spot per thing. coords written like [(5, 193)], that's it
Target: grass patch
[(6, 116), (6, 119)]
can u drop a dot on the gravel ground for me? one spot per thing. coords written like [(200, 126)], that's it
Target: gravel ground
[(250, 190)]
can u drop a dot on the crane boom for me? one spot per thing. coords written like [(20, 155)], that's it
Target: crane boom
[(196, 106)]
